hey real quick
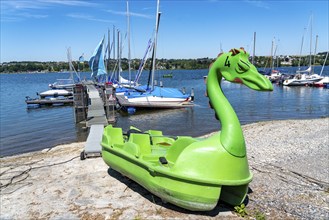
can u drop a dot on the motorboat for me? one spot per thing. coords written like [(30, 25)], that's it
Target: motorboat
[(302, 79), (322, 82)]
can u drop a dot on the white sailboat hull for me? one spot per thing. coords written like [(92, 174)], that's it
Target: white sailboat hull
[(55, 93), (154, 102), (302, 80)]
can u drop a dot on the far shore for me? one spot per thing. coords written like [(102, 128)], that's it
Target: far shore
[(288, 158)]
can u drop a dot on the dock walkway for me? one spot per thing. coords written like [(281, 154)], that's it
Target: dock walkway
[(96, 113), (96, 120)]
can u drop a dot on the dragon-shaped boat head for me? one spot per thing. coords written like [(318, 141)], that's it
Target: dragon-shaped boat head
[(235, 67)]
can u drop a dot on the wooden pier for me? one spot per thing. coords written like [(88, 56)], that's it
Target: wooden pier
[(96, 113), (96, 106)]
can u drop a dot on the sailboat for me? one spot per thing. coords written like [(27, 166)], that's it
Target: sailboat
[(325, 81), (96, 62), (151, 95), (98, 68), (272, 74), (275, 75), (70, 82), (305, 77), (125, 85)]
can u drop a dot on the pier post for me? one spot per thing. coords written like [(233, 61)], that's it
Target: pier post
[(110, 102), (80, 98)]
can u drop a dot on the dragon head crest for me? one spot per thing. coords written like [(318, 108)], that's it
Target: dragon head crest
[(235, 67)]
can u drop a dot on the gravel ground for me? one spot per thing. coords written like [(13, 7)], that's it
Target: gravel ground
[(289, 160)]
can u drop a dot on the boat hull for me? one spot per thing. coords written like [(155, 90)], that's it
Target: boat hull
[(159, 97), (153, 103), (302, 80), (187, 183), (185, 194)]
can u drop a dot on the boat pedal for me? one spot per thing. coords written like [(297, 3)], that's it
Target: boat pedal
[(163, 160)]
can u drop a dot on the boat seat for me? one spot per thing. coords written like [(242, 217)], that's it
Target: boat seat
[(132, 148), (158, 138), (133, 130), (143, 141), (114, 136), (177, 147)]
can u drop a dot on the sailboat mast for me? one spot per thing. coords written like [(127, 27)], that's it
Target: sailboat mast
[(128, 32), (324, 63), (69, 58), (108, 53), (316, 45), (254, 49), (311, 24), (113, 42), (272, 55), (276, 47), (301, 50), (119, 57), (155, 42)]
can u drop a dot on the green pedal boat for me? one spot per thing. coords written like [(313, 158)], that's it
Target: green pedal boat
[(192, 173)]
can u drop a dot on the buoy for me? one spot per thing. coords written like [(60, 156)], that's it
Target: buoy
[(131, 110)]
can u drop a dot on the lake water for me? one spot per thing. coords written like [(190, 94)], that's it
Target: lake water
[(24, 129)]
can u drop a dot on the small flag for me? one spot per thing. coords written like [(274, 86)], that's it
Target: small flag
[(81, 59)]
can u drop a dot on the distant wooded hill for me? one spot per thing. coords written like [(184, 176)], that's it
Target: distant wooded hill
[(168, 64)]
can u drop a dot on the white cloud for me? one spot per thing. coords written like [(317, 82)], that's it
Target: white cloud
[(87, 17), (130, 13), (21, 5), (20, 10), (68, 2), (28, 15)]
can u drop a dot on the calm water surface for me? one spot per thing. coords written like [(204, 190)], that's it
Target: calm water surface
[(24, 129)]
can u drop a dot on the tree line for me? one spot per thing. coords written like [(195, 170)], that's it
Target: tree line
[(168, 64)]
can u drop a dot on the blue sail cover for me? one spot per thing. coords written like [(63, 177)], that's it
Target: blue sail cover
[(96, 62)]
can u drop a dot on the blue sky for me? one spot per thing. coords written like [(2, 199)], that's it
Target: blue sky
[(42, 30)]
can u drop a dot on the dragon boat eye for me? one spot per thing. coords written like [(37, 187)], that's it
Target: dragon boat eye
[(242, 67)]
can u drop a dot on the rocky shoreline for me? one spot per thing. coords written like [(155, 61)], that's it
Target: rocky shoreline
[(289, 160)]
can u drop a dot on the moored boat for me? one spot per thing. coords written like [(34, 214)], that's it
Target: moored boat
[(150, 95), (305, 77), (302, 80), (49, 101), (322, 82), (63, 84), (55, 93)]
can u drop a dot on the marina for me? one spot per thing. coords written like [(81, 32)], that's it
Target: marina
[(150, 113), (50, 126)]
